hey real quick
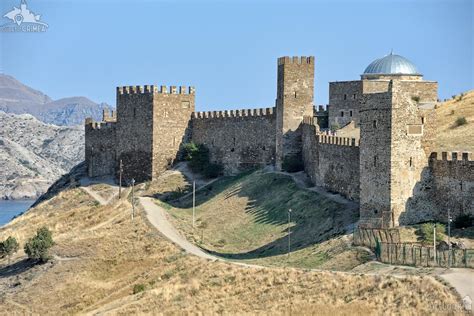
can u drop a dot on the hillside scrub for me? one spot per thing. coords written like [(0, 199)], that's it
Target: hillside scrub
[(111, 254), (8, 247), (199, 160), (37, 247)]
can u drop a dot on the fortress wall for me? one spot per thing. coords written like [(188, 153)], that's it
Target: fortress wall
[(171, 128), (331, 162), (238, 139), (100, 148), (344, 98), (453, 183), (135, 131)]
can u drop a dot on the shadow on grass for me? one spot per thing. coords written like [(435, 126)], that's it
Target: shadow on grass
[(17, 268), (314, 218)]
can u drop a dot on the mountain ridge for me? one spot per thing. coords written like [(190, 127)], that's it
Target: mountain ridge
[(18, 98)]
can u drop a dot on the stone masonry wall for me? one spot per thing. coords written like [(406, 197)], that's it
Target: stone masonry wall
[(331, 162), (295, 94), (171, 125), (344, 102), (237, 139), (135, 132), (453, 183), (100, 148)]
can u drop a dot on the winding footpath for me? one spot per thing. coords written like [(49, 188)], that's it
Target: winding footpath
[(461, 279)]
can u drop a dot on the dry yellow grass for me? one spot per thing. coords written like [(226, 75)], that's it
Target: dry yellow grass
[(450, 137), (102, 254)]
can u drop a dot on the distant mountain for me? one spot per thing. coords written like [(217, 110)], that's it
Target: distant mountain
[(34, 154), (18, 98)]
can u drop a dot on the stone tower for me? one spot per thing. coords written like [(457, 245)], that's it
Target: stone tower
[(295, 92), (151, 125), (396, 127)]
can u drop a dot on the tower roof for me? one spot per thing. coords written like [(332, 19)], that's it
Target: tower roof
[(392, 65)]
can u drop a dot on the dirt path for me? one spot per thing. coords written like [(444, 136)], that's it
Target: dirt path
[(158, 217), (462, 280), (86, 182)]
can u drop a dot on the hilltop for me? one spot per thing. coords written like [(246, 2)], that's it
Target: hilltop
[(101, 256), (450, 136), (34, 154)]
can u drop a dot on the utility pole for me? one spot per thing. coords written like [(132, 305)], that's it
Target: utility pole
[(289, 232), (449, 239), (434, 242), (194, 203), (120, 179), (133, 198)]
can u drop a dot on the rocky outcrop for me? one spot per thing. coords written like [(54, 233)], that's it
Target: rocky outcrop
[(34, 154)]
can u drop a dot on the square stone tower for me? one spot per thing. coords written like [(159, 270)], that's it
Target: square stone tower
[(396, 125), (151, 125), (295, 94)]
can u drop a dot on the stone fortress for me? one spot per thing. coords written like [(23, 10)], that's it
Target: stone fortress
[(393, 170)]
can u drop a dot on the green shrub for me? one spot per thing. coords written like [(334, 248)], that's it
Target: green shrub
[(452, 112), (425, 232), (198, 157), (37, 248), (460, 121), (335, 127), (137, 288), (292, 163), (8, 247), (416, 98), (464, 221), (213, 170)]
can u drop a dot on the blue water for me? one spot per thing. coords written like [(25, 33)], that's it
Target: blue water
[(11, 208)]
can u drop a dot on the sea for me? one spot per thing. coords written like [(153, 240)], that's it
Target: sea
[(11, 208)]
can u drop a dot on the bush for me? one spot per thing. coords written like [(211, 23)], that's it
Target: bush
[(37, 248), (198, 157), (138, 288), (460, 121), (213, 170), (425, 232), (416, 98), (292, 163), (8, 247), (464, 221)]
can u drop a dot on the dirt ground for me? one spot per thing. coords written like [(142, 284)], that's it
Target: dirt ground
[(101, 256)]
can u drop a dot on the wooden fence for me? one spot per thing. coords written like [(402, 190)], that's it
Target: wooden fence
[(393, 251)]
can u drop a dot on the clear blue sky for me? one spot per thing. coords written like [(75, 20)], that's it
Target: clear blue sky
[(228, 50)]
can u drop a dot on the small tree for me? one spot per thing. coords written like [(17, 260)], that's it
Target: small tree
[(8, 248), (426, 232), (460, 121), (37, 247)]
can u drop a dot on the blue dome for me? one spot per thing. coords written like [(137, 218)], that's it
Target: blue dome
[(391, 64)]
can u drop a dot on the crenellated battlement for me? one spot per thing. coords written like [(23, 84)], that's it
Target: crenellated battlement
[(91, 124), (295, 60), (335, 140), (234, 113), (147, 89), (452, 156)]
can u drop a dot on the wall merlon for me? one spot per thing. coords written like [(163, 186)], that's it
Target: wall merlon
[(339, 141), (452, 156), (295, 60), (245, 113), (148, 89)]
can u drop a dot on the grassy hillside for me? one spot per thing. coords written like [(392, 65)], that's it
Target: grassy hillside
[(450, 136), (246, 218), (101, 255)]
